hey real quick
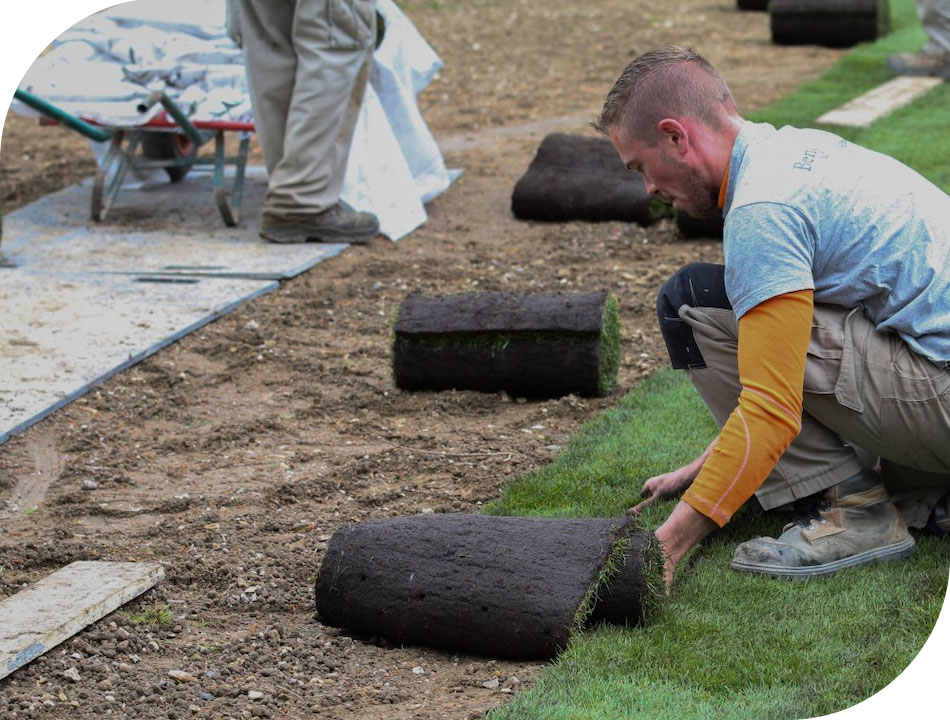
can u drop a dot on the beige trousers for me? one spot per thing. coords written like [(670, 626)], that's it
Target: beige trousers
[(307, 64), (867, 397), (935, 19)]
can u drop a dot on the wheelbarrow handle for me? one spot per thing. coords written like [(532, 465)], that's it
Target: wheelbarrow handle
[(59, 115), (188, 127)]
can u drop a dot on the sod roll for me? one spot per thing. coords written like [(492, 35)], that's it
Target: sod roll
[(831, 23), (499, 586), (691, 226), (528, 345), (574, 177)]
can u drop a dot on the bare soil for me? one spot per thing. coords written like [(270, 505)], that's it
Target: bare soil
[(233, 455)]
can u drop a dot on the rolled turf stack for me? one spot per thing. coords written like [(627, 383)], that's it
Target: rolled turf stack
[(528, 345), (513, 587), (574, 177), (832, 23)]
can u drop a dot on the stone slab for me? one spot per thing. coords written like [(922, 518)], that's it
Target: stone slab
[(163, 228), (54, 609), (864, 110), (63, 333)]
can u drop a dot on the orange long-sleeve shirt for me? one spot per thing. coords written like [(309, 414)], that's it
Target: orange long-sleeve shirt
[(773, 344)]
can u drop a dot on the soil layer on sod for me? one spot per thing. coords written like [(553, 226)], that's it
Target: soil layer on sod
[(574, 177), (691, 226), (513, 587), (528, 345)]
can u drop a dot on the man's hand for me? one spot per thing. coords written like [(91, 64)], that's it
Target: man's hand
[(685, 527), (671, 484), (663, 487)]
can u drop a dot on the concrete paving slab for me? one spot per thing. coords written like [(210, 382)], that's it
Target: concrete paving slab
[(864, 110), (165, 229), (37, 619), (63, 333)]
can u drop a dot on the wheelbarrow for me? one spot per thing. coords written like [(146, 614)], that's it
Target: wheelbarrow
[(169, 141)]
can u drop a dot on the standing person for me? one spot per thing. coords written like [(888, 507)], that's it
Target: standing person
[(934, 58), (826, 331), (307, 64)]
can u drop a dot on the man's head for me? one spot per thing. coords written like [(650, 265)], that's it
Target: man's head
[(672, 118)]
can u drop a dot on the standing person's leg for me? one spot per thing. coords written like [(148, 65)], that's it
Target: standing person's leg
[(935, 19), (333, 43), (934, 58), (263, 29)]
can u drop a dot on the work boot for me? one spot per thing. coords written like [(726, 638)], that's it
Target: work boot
[(921, 63), (857, 523), (939, 521), (339, 223)]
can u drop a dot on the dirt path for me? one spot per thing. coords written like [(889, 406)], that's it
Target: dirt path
[(234, 454)]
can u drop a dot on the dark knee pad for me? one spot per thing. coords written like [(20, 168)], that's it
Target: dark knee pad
[(695, 285)]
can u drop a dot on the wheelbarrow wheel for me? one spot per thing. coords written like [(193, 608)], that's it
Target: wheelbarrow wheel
[(169, 146)]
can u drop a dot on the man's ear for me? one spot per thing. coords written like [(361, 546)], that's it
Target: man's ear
[(673, 135)]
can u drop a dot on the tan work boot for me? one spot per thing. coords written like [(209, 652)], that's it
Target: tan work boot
[(339, 223), (921, 63), (857, 524)]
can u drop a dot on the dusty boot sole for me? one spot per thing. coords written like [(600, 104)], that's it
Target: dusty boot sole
[(292, 238), (887, 553)]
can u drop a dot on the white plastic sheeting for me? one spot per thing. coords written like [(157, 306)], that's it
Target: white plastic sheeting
[(103, 67)]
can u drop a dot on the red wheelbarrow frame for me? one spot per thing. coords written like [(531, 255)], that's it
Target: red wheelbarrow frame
[(186, 136)]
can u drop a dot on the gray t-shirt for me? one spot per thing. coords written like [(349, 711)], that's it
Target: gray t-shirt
[(807, 210)]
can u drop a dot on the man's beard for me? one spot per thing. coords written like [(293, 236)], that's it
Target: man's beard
[(703, 200), (703, 204)]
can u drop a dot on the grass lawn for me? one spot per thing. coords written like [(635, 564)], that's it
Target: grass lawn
[(730, 645)]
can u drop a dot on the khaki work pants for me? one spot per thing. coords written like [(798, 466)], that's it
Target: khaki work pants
[(935, 19), (867, 397), (307, 64)]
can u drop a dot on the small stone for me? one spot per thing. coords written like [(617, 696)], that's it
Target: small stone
[(255, 695), (417, 670), (180, 675), (89, 484), (207, 696), (72, 674), (491, 684)]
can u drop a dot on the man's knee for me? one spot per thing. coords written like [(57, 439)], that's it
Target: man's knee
[(694, 285)]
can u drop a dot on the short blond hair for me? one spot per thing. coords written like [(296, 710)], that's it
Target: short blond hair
[(670, 81)]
